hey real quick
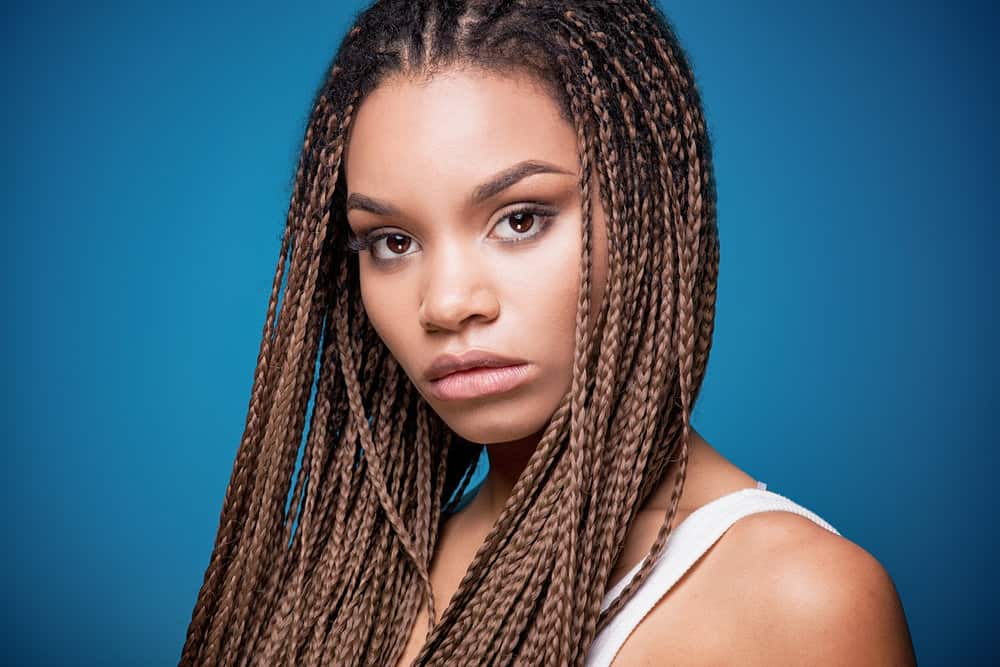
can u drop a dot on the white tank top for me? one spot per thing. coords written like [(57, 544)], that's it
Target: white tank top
[(688, 542)]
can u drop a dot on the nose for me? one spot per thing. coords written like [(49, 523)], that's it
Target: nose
[(457, 288)]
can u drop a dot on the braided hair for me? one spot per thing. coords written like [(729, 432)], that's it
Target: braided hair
[(332, 567)]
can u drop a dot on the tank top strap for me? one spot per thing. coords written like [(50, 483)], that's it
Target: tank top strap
[(686, 544)]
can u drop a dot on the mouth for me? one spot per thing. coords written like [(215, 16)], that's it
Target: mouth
[(480, 381)]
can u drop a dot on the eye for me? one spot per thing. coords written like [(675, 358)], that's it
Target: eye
[(397, 244), (524, 220)]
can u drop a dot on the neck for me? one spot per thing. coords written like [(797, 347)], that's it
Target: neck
[(507, 461)]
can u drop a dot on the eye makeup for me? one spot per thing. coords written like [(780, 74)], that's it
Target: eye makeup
[(542, 214)]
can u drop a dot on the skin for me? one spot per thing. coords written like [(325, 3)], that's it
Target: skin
[(776, 588)]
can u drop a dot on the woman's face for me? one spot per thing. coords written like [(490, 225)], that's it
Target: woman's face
[(461, 269)]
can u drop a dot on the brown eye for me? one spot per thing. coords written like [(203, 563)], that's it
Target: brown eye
[(397, 246), (522, 221), (526, 223), (397, 243)]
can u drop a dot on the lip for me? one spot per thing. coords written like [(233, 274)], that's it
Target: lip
[(482, 381), (447, 364)]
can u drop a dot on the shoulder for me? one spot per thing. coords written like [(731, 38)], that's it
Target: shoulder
[(821, 599), (796, 593)]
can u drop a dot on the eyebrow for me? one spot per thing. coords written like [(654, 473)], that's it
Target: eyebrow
[(489, 188)]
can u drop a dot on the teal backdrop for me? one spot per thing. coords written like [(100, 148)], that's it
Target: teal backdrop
[(149, 156)]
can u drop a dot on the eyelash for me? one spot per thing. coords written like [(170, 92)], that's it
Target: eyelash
[(544, 218)]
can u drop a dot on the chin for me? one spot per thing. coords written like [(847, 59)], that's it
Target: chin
[(494, 424)]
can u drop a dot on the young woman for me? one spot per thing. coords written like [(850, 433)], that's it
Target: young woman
[(503, 235)]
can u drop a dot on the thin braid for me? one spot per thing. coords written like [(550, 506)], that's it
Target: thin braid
[(292, 293), (674, 213), (424, 537), (289, 418), (685, 352), (607, 513), (634, 403), (522, 518), (290, 563), (373, 456), (557, 609)]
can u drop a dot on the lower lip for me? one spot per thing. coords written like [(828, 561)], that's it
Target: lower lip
[(478, 382)]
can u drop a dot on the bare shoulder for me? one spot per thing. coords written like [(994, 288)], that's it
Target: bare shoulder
[(820, 598), (796, 593), (775, 589)]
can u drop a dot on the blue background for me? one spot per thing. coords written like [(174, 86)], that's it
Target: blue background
[(150, 153)]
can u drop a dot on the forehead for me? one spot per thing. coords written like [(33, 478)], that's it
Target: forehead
[(453, 129)]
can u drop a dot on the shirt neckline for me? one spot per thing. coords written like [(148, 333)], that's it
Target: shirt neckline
[(622, 582)]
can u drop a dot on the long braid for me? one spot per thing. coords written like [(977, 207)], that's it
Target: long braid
[(687, 231), (289, 413), (610, 364), (290, 560), (633, 243), (332, 567)]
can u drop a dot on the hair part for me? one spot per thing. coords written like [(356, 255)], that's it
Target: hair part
[(333, 565)]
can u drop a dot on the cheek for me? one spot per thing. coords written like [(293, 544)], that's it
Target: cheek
[(553, 279), (564, 283), (545, 288), (390, 313)]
